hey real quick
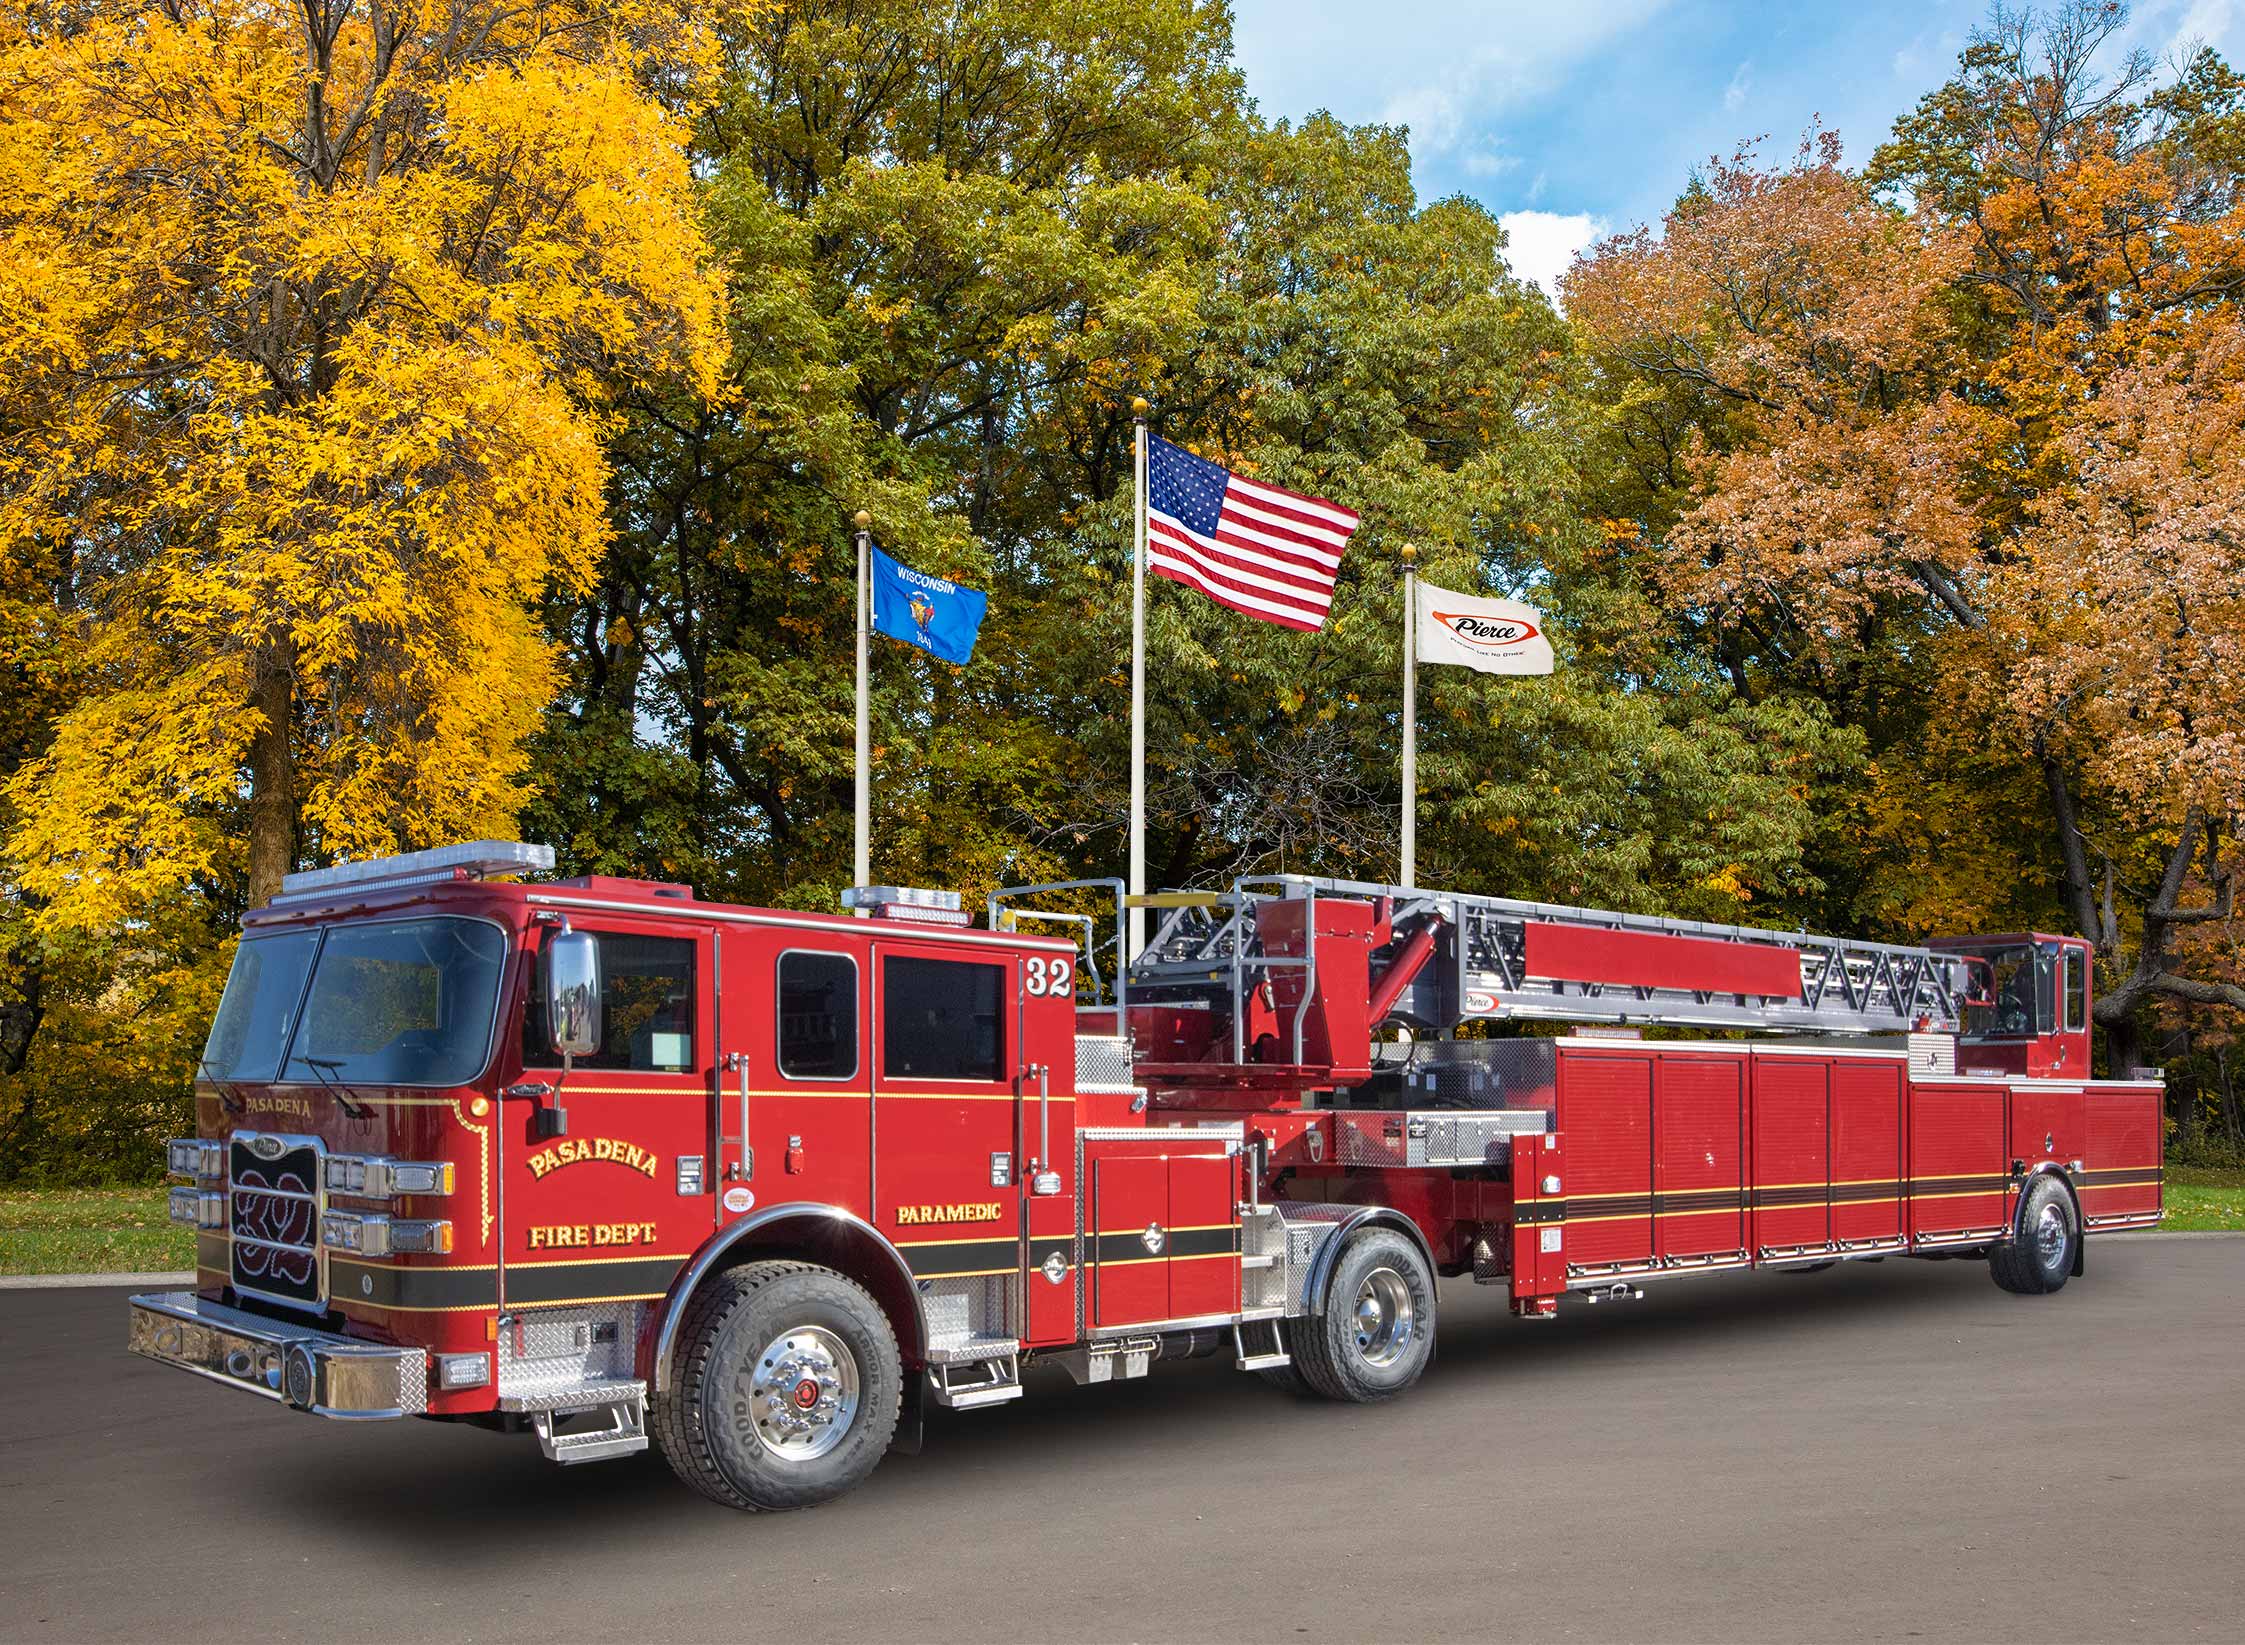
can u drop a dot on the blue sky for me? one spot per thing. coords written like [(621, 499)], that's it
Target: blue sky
[(1574, 118)]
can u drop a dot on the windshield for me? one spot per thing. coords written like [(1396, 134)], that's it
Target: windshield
[(2021, 991), (259, 1007), (403, 1002)]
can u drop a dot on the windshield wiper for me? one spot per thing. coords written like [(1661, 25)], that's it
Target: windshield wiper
[(225, 1088), (325, 1068)]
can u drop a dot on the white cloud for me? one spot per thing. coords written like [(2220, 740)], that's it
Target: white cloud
[(1540, 244), (1445, 68), (1734, 94)]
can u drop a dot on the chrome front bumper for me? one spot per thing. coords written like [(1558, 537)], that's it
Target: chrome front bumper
[(315, 1371)]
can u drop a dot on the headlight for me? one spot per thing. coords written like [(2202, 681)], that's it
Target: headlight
[(202, 1158), (370, 1176), (198, 1207), (378, 1235)]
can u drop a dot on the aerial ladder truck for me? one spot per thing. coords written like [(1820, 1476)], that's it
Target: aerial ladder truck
[(599, 1161)]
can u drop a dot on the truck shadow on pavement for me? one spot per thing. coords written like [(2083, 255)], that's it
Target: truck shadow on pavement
[(440, 1492)]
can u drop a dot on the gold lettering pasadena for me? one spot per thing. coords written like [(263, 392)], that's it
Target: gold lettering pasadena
[(920, 1216), (579, 1151)]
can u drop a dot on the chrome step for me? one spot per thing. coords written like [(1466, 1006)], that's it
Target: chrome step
[(965, 1385), (967, 1350), (622, 1433), (1260, 1358)]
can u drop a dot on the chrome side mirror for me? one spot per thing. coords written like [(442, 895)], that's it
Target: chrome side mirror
[(573, 992)]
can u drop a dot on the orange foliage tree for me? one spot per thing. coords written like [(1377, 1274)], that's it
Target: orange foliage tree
[(1971, 417)]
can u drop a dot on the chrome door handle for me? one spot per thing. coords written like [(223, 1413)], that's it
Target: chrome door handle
[(744, 1168)]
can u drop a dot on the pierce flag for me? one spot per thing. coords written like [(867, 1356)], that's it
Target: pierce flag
[(1494, 636), (939, 616)]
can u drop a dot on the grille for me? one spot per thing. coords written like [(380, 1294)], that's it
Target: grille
[(273, 1215)]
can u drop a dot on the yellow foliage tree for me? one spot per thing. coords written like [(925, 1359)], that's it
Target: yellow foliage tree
[(308, 317)]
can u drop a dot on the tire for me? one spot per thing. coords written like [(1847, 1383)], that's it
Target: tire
[(786, 1388), (2040, 1255), (1377, 1332)]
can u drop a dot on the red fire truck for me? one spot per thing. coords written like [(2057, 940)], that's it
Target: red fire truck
[(602, 1161)]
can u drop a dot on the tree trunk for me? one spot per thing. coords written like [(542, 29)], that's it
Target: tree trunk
[(272, 776)]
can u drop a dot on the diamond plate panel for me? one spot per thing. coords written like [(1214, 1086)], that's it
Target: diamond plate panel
[(551, 1351), (1103, 1063)]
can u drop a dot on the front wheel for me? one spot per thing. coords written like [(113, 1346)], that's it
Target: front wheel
[(1377, 1332), (2040, 1255), (786, 1389)]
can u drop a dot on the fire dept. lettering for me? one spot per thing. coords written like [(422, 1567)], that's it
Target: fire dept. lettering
[(916, 1216), (578, 1150), (570, 1236)]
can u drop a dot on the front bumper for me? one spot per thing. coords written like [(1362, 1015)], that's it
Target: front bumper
[(315, 1371)]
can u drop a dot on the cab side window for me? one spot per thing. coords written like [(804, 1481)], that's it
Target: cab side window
[(647, 1001), (941, 1019), (818, 1016)]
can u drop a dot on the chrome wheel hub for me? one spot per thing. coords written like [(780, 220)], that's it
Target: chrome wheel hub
[(804, 1393), (2050, 1235), (1385, 1319)]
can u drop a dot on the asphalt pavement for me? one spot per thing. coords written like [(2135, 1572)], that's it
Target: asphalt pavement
[(1890, 1451)]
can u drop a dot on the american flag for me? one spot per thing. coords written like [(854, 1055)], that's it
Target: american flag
[(1270, 553)]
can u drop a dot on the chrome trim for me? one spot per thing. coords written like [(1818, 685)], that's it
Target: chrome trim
[(1142, 1327), (316, 1371), (1329, 1250), (691, 1275)]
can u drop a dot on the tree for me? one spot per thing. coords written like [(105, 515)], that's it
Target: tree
[(315, 309), (1961, 423)]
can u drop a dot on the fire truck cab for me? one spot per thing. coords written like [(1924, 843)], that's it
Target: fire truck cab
[(603, 1162)]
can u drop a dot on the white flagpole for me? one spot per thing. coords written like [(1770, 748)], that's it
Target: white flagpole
[(1137, 921), (1410, 717), (862, 861)]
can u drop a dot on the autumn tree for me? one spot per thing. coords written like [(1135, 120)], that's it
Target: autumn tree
[(314, 315), (1945, 444), (313, 310)]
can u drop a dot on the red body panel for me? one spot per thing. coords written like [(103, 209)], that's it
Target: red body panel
[(1647, 959)]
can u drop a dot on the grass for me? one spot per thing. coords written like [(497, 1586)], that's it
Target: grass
[(2203, 1197), (119, 1230), (90, 1231)]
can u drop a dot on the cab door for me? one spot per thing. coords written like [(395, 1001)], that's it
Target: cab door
[(947, 1121), (792, 1118), (608, 1206)]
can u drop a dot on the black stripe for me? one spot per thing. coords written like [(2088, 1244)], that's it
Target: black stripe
[(960, 1256), (370, 1285), (569, 1281), (1042, 1251), (1192, 1242)]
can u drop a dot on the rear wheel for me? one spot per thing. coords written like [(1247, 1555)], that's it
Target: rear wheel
[(1377, 1332), (2039, 1256), (786, 1389)]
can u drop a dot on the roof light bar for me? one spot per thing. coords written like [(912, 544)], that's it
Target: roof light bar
[(907, 902), (480, 858)]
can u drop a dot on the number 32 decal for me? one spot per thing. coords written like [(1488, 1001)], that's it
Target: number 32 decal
[(1054, 977)]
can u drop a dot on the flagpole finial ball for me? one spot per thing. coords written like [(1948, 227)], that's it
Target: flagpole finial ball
[(863, 519), (1139, 408), (1410, 552)]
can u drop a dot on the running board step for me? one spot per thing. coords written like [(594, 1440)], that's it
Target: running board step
[(620, 1429), (964, 1386), (1260, 1357)]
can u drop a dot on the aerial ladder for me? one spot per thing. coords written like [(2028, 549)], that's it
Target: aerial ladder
[(1283, 979)]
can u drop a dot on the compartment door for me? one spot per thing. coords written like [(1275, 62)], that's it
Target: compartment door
[(1699, 1156), (1866, 1153), (1128, 1235), (1959, 1176), (1792, 1156)]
